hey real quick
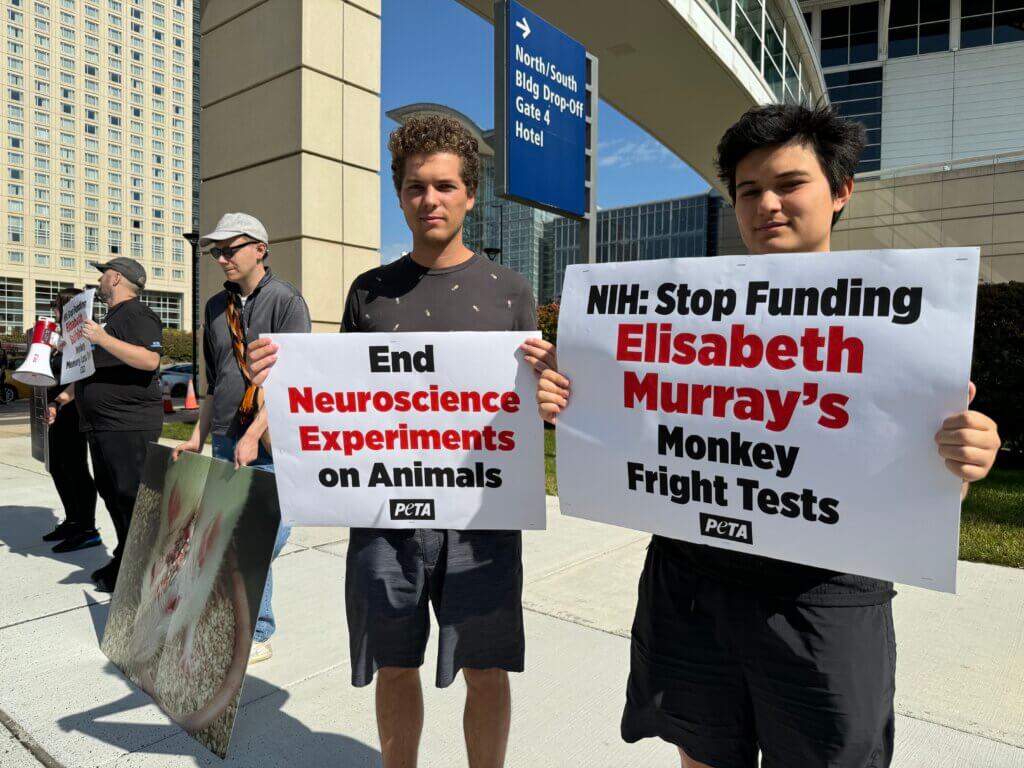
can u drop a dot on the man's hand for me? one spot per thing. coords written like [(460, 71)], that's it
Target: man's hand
[(552, 387), (191, 445), (261, 355), (51, 413), (969, 442), (246, 451), (94, 332)]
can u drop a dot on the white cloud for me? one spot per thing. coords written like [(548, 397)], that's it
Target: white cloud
[(392, 252), (620, 153)]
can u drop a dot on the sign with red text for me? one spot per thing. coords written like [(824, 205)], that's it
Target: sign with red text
[(406, 430), (782, 405), (77, 361)]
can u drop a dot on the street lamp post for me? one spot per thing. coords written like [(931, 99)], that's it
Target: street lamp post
[(193, 240)]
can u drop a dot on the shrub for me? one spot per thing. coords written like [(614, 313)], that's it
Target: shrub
[(547, 322), (998, 369), (177, 345)]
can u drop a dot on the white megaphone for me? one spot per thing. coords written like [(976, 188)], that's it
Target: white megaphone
[(36, 371)]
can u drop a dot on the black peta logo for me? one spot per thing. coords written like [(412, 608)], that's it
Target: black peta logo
[(726, 528), (412, 509)]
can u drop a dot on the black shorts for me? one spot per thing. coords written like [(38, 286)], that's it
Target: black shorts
[(473, 579), (722, 673)]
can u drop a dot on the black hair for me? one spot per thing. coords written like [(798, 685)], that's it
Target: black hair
[(63, 297), (837, 142)]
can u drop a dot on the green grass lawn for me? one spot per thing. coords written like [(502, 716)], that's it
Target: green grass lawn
[(991, 527), (178, 430), (992, 523)]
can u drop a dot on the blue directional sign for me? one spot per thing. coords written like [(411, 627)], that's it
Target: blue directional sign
[(545, 121)]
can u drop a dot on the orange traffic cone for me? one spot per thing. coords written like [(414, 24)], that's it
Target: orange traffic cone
[(168, 405), (191, 404)]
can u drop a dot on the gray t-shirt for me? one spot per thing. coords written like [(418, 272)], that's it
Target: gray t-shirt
[(475, 295), (274, 307)]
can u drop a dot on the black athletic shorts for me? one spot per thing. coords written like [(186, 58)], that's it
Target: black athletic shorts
[(723, 673), (473, 579)]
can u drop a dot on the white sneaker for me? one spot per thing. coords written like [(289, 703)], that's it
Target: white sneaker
[(260, 652)]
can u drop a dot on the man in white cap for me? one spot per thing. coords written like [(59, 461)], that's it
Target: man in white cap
[(253, 302)]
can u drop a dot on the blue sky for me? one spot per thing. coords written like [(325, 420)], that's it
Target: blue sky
[(437, 51)]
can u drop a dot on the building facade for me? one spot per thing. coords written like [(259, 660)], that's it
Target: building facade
[(685, 227), (938, 86), (98, 141)]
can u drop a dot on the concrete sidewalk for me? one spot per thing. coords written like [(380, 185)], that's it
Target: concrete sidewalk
[(960, 681)]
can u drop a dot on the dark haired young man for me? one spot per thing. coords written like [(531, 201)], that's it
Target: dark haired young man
[(734, 653), (473, 578)]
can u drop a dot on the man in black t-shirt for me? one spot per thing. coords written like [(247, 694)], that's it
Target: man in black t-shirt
[(120, 405), (735, 654), (473, 579)]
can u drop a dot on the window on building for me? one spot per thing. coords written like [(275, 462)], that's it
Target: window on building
[(988, 22), (46, 293), (136, 245), (15, 229), (67, 235), (857, 94), (849, 34), (918, 26), (42, 232), (16, 257), (158, 249), (168, 306), (12, 304)]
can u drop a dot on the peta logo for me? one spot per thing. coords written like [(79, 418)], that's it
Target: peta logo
[(725, 528), (412, 509)]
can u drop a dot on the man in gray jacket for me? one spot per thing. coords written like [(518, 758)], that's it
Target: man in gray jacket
[(253, 302)]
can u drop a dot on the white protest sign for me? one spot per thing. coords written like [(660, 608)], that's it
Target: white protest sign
[(406, 430), (77, 361), (781, 405)]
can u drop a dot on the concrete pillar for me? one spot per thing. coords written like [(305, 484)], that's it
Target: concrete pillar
[(290, 92)]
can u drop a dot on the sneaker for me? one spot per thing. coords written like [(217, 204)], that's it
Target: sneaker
[(83, 540), (64, 530), (106, 583), (103, 572), (260, 652)]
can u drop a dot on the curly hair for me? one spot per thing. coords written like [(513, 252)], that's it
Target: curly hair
[(428, 134), (837, 142)]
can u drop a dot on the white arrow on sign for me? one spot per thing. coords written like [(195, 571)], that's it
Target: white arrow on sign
[(524, 26)]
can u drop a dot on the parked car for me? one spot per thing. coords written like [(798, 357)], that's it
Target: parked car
[(177, 376), (14, 390)]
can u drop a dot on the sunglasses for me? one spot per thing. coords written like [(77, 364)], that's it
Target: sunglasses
[(227, 253)]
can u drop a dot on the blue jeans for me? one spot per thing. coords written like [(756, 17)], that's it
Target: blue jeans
[(224, 448)]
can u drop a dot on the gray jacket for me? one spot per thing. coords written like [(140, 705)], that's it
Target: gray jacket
[(274, 307)]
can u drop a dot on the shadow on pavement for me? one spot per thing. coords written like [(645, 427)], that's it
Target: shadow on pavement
[(22, 529), (264, 736)]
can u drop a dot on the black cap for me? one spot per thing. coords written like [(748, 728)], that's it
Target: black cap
[(130, 268)]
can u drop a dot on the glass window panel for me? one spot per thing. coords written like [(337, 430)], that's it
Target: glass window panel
[(902, 42), (863, 47), (902, 13), (973, 7), (868, 75), (1009, 5), (934, 37), (874, 136), (834, 51), (747, 37), (864, 18), (975, 31), (835, 21), (872, 152), (932, 10), (1009, 27)]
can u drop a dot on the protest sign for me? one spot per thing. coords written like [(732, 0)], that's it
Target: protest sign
[(188, 593), (406, 430), (78, 363), (781, 405)]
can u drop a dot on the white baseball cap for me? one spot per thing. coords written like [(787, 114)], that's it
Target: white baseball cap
[(235, 224)]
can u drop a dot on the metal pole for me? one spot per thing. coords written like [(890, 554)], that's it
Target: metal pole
[(193, 240), (588, 224)]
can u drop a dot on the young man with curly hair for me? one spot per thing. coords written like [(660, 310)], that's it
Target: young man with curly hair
[(733, 654), (472, 579)]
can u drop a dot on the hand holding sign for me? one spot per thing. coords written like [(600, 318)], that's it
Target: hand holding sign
[(969, 442)]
